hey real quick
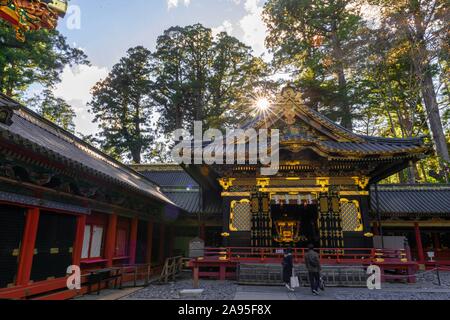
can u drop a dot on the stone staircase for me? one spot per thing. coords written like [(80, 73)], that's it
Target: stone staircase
[(271, 274)]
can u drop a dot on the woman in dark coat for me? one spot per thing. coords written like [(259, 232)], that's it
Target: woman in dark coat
[(288, 265)]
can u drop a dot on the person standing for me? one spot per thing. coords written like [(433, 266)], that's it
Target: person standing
[(312, 262), (288, 266)]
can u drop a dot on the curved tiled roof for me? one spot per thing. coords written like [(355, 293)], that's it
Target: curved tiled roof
[(171, 178), (41, 135), (412, 199), (179, 187), (341, 142), (191, 202)]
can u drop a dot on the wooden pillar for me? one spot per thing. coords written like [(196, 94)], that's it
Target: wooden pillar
[(196, 272), (436, 241), (27, 247), (421, 255), (110, 244), (171, 240), (79, 238), (376, 229), (133, 240), (148, 256), (202, 233), (162, 254), (222, 272)]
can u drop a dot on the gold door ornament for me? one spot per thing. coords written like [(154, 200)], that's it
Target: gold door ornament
[(351, 216), (240, 216)]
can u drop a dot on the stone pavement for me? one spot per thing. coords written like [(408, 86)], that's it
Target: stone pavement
[(109, 294), (426, 288), (253, 293)]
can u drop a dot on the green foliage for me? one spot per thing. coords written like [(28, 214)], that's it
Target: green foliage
[(54, 109), (317, 40), (192, 76), (122, 106), (202, 78), (389, 79), (40, 59)]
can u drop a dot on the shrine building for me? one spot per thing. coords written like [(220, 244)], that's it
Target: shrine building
[(64, 202)]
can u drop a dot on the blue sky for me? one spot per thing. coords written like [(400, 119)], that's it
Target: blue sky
[(109, 27)]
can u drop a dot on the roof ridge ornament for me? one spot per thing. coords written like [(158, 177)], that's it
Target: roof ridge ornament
[(288, 100), (290, 103)]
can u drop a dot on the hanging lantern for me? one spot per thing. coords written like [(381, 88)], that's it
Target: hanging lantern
[(28, 15)]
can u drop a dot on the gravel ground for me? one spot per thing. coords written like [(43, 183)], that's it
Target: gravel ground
[(214, 290), (429, 280), (397, 296), (426, 288)]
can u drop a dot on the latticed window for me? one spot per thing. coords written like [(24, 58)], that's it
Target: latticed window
[(351, 216), (241, 217)]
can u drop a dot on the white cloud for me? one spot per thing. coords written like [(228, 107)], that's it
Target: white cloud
[(75, 88), (252, 5), (226, 26), (372, 15), (174, 3), (254, 28)]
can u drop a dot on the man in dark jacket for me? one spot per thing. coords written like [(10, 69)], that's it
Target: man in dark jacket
[(312, 262), (288, 266)]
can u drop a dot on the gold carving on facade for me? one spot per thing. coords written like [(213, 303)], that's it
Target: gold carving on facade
[(226, 183), (26, 15), (295, 147), (288, 100), (323, 183), (362, 182), (263, 183)]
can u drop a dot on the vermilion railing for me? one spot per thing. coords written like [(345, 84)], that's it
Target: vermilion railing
[(331, 255)]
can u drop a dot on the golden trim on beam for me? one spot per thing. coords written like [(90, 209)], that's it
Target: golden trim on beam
[(422, 224), (354, 193), (236, 194), (262, 182), (289, 190), (324, 183)]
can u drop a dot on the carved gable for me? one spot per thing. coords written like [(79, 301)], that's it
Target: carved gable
[(296, 121)]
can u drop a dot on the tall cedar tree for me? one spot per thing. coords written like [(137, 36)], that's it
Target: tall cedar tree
[(122, 106), (316, 40), (422, 27), (199, 77)]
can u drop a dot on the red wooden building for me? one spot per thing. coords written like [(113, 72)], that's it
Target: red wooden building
[(63, 202)]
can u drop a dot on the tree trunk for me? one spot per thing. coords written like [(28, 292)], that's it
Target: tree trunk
[(421, 61), (412, 173), (136, 154), (343, 103), (137, 150), (431, 104)]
